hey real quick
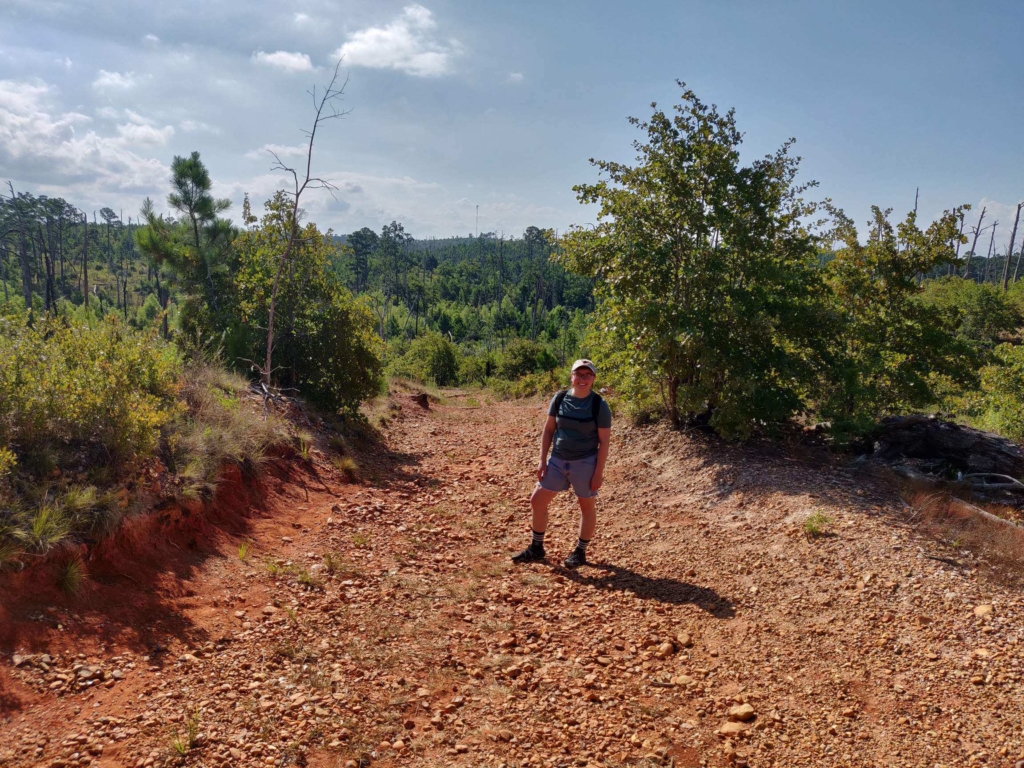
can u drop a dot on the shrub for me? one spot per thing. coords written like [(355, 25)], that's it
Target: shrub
[(816, 524), (998, 404), (64, 384), (980, 313), (430, 357), (522, 357)]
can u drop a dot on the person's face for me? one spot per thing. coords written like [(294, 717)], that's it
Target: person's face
[(584, 377)]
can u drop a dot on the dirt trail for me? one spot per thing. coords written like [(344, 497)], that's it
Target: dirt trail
[(383, 624)]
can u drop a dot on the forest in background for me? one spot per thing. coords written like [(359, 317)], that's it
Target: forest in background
[(710, 292)]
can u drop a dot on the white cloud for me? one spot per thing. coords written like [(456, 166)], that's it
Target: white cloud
[(64, 62), (196, 126), (114, 81), (281, 150), (515, 77), (289, 62), (141, 134), (302, 18), (406, 44), (51, 150), (150, 38)]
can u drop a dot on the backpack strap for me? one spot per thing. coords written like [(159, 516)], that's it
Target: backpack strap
[(595, 407), (559, 398)]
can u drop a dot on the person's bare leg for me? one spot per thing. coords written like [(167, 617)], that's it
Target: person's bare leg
[(539, 502), (588, 518)]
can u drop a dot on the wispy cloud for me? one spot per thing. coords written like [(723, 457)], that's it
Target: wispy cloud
[(281, 150), (197, 126), (115, 81), (285, 60), (406, 44), (515, 77)]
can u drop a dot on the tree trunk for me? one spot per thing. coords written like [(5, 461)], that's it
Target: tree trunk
[(1009, 249), (988, 259), (85, 259), (970, 253)]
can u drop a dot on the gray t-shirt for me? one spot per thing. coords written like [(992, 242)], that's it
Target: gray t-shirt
[(575, 432)]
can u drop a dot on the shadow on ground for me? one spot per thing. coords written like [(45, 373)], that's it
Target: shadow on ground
[(656, 588)]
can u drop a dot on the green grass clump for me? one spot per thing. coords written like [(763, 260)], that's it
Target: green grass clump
[(817, 524), (71, 575)]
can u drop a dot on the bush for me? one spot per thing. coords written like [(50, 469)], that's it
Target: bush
[(522, 357), (981, 314), (63, 384), (430, 357), (998, 404)]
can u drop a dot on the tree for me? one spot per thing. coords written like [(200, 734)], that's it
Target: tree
[(191, 198), (325, 109), (707, 277), (363, 243), (890, 346), (328, 348)]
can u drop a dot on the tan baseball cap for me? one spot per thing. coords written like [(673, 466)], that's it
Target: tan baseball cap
[(582, 363)]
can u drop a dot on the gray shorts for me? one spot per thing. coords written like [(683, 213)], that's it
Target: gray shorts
[(577, 473)]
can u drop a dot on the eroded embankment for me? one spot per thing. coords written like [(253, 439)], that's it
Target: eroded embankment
[(386, 623)]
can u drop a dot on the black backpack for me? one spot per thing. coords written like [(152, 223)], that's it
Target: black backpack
[(595, 406)]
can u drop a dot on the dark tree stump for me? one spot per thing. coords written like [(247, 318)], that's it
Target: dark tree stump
[(421, 400)]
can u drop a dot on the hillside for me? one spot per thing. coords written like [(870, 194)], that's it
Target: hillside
[(383, 624)]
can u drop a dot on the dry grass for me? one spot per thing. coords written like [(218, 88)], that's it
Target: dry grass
[(968, 527)]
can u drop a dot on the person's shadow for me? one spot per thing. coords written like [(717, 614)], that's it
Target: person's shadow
[(659, 589)]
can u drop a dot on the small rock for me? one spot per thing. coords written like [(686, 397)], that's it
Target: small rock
[(733, 728), (981, 611), (409, 725), (461, 749), (665, 650), (17, 660), (684, 640), (742, 712), (505, 735)]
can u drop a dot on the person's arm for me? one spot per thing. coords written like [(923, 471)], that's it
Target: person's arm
[(603, 438), (545, 445)]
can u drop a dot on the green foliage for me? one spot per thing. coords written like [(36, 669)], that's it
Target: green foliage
[(522, 357), (325, 343), (430, 357), (889, 349), (982, 314), (708, 280), (64, 384), (816, 524), (998, 404), (71, 574)]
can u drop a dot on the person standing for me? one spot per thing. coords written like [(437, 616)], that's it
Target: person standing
[(577, 430)]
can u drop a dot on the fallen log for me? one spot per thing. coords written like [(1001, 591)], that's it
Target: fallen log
[(971, 451)]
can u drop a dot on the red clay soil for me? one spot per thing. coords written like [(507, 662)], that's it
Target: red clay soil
[(382, 623)]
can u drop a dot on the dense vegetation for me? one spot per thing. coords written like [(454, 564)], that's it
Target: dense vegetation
[(711, 291)]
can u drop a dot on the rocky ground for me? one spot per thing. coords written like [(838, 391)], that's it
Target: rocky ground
[(382, 623)]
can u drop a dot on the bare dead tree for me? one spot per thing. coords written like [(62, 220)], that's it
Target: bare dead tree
[(960, 234), (325, 108), (977, 230), (988, 258), (1009, 249)]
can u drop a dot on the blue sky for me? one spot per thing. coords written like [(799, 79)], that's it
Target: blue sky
[(500, 104)]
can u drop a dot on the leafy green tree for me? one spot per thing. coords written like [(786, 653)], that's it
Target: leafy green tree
[(430, 357), (890, 347), (522, 357), (708, 280), (326, 344), (363, 243), (980, 312)]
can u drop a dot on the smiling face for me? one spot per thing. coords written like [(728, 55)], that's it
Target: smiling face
[(582, 381)]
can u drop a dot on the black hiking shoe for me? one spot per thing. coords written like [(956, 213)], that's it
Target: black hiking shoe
[(576, 559), (529, 555)]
